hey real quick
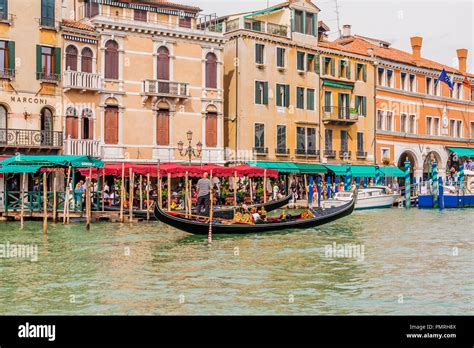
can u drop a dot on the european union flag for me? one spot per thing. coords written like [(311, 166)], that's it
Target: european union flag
[(443, 77)]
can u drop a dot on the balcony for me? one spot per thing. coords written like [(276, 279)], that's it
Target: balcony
[(26, 138), (260, 151), (307, 152), (82, 147), (163, 88), (7, 74), (282, 151), (338, 115), (82, 81), (257, 26), (329, 153), (361, 154), (48, 77), (344, 154)]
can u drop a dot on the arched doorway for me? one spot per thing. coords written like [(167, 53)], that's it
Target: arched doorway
[(46, 127), (429, 158), (410, 156)]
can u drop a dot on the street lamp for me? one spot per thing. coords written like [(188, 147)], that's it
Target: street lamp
[(190, 151)]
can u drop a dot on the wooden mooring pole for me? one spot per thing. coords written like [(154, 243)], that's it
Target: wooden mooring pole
[(148, 197), (169, 191), (130, 196), (122, 192), (22, 213), (66, 197), (45, 204), (54, 198), (141, 192)]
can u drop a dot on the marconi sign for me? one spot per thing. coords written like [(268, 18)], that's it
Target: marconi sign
[(29, 100)]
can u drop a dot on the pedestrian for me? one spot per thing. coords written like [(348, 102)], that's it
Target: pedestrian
[(203, 188)]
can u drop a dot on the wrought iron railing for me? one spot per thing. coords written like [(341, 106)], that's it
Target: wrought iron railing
[(361, 154), (345, 154), (260, 150), (48, 77), (27, 138), (306, 152), (7, 73), (338, 113), (282, 151), (329, 153)]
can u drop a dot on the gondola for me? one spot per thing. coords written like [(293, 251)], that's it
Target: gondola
[(222, 213), (220, 226)]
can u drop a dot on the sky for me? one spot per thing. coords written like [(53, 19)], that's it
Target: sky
[(445, 25)]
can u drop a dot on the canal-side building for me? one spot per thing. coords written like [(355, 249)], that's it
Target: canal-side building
[(347, 104), (416, 118), (30, 76), (155, 73), (272, 84)]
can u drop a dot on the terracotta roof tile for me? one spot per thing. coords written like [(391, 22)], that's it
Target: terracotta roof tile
[(70, 23), (166, 3), (358, 45)]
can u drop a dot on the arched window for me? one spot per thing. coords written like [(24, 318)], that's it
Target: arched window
[(111, 60), (87, 124), (211, 70), (3, 124), (211, 129), (163, 64), (71, 123), (71, 58), (86, 60), (162, 127), (46, 127), (111, 125)]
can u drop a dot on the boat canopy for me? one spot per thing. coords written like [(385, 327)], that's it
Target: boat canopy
[(463, 151), (31, 163), (392, 171), (290, 167), (365, 171)]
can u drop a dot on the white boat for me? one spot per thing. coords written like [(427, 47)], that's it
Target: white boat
[(367, 198)]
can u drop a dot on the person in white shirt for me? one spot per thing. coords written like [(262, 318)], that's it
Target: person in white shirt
[(276, 189)]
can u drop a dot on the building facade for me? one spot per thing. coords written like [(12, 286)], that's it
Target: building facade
[(272, 84), (153, 72)]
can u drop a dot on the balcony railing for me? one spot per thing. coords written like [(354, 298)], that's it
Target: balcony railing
[(282, 151), (48, 77), (82, 147), (7, 73), (361, 154), (257, 26), (306, 152), (30, 138), (165, 88), (338, 115), (82, 80), (329, 153), (260, 151), (345, 154)]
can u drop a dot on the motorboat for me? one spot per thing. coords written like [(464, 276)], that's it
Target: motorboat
[(367, 198)]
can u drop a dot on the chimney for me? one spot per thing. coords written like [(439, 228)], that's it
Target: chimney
[(416, 42), (346, 30), (462, 58)]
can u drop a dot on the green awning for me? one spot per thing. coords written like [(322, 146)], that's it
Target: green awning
[(338, 84), (311, 168), (392, 171), (52, 161), (337, 169), (363, 171), (282, 167), (463, 151), (19, 169), (258, 13)]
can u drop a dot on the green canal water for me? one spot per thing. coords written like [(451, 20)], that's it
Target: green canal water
[(411, 262)]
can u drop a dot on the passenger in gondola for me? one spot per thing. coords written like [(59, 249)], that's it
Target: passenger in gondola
[(256, 218)]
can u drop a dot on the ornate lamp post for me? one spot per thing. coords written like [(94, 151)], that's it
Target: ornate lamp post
[(190, 151)]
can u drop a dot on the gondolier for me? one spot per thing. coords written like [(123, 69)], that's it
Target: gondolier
[(203, 187)]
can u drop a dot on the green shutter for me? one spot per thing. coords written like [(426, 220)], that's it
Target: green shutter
[(57, 62), (357, 103), (348, 70), (257, 93), (340, 68), (303, 22), (287, 95), (39, 65), (333, 67), (317, 64), (293, 20), (11, 55), (265, 93), (364, 73), (364, 106), (339, 100), (313, 18)]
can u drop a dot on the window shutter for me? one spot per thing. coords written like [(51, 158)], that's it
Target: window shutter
[(357, 103), (11, 55), (287, 95), (348, 70), (317, 63), (257, 92), (364, 73), (313, 18), (364, 106), (39, 65), (340, 68), (57, 62), (303, 22), (292, 20), (333, 67), (265, 93)]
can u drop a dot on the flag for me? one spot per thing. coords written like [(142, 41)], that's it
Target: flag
[(443, 77), (466, 82)]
